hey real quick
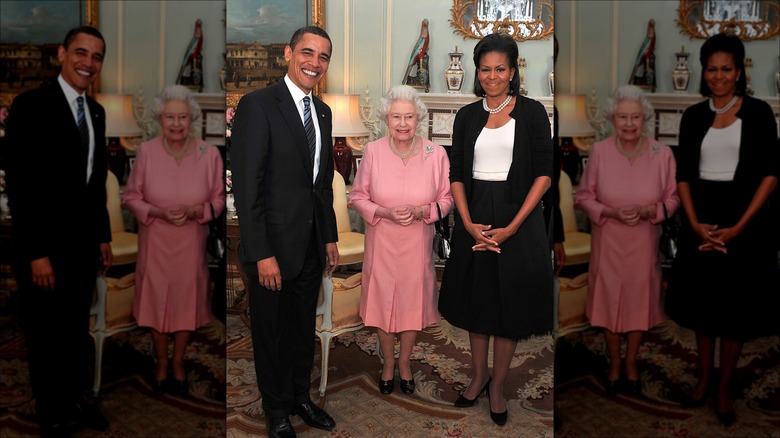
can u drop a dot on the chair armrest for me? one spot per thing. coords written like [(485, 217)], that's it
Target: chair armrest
[(325, 307), (99, 307)]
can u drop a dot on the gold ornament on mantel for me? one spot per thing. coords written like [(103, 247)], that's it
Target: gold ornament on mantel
[(748, 20)]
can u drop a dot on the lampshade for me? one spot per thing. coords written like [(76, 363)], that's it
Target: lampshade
[(120, 121), (572, 116), (346, 115)]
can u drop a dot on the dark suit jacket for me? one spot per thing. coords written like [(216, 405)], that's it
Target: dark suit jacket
[(55, 212), (277, 202)]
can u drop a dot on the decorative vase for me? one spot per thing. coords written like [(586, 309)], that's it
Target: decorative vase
[(551, 82), (230, 203), (342, 157), (749, 76), (454, 74), (681, 75), (522, 64)]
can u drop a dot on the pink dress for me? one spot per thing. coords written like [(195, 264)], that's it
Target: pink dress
[(399, 289), (171, 285), (624, 280)]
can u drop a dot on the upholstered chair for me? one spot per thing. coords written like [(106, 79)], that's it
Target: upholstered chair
[(338, 312), (576, 244)]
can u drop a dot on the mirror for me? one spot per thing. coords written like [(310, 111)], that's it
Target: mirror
[(748, 19), (522, 19)]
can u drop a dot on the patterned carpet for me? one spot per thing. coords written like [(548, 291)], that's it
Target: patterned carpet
[(126, 397), (440, 362), (666, 364)]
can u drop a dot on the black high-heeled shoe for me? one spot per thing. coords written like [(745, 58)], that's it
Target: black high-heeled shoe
[(386, 386), (407, 386), (499, 417), (726, 418), (463, 402), (181, 387), (633, 387)]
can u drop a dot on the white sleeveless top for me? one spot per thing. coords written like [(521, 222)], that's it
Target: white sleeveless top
[(493, 152), (720, 153)]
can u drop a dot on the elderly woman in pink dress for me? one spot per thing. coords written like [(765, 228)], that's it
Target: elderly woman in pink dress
[(628, 180), (398, 185), (175, 188)]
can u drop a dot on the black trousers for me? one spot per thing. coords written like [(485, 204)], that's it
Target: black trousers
[(56, 330), (283, 334)]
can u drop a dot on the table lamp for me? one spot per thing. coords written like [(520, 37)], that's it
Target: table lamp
[(346, 123), (573, 122), (120, 122)]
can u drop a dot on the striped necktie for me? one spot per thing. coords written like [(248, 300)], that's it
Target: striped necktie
[(82, 122), (309, 127)]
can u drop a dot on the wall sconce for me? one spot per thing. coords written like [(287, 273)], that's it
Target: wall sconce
[(346, 123), (573, 122), (120, 122)]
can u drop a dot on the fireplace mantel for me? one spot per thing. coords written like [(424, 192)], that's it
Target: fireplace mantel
[(442, 108)]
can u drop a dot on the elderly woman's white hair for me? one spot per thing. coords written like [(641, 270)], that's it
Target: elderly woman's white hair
[(403, 93), (632, 93), (178, 92)]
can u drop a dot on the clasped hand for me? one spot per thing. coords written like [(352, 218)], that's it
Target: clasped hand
[(402, 215), (487, 238), (179, 214), (714, 239), (630, 214)]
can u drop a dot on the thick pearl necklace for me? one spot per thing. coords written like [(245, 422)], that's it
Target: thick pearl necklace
[(498, 108), (727, 107), (405, 154)]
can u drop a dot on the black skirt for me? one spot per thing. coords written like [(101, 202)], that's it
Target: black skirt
[(735, 294), (508, 294)]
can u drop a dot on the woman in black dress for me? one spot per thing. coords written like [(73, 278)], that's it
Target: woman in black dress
[(499, 279), (727, 169)]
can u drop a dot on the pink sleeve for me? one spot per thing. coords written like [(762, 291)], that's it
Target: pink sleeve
[(587, 193), (443, 195), (216, 186), (360, 195), (134, 190)]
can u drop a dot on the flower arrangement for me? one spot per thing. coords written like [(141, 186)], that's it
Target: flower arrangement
[(228, 181)]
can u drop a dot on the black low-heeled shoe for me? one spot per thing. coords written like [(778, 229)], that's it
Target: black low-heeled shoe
[(158, 387), (612, 386), (407, 386), (689, 402), (181, 387), (726, 418), (499, 417), (463, 402), (634, 387), (386, 386)]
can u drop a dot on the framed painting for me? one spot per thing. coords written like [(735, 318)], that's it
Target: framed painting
[(257, 33), (30, 33)]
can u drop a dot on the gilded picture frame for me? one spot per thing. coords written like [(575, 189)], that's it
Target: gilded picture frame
[(30, 34), (254, 51), (518, 18), (748, 19)]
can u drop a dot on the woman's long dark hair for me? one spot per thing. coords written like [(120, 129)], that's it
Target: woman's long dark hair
[(501, 43)]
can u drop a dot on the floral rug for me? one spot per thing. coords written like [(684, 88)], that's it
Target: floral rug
[(667, 365), (440, 361), (126, 397)]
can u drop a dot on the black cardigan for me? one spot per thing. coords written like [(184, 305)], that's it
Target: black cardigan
[(758, 154), (532, 156)]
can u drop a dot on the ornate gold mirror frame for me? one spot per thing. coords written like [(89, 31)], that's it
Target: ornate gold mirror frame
[(748, 19), (518, 18), (91, 16)]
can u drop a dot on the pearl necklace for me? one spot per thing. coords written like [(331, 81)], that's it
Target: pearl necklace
[(498, 108), (177, 155), (405, 154), (632, 154), (726, 107)]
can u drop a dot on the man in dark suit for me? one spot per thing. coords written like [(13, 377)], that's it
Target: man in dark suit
[(282, 167), (61, 231)]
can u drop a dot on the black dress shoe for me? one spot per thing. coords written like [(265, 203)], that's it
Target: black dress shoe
[(314, 416), (463, 402), (386, 386), (60, 429), (726, 418), (499, 417), (279, 427), (88, 415), (407, 386)]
